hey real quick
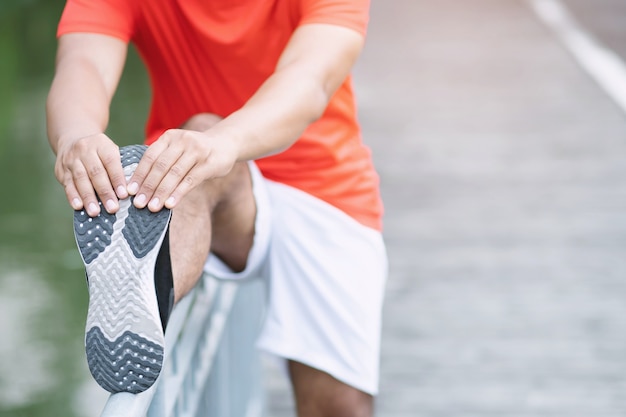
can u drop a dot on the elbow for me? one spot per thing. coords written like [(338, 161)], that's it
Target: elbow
[(318, 99)]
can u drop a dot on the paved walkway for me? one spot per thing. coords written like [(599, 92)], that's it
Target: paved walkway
[(504, 173)]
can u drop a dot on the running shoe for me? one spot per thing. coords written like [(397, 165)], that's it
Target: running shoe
[(129, 276)]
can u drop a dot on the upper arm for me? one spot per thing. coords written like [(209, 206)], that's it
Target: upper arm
[(323, 53), (102, 55)]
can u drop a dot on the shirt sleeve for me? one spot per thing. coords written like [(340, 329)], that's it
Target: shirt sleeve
[(353, 14), (108, 17)]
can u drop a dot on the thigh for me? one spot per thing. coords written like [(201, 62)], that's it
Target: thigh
[(233, 219), (254, 204), (218, 216)]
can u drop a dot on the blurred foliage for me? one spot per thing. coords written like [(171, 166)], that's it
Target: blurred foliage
[(27, 30), (35, 220), (27, 49), (8, 6)]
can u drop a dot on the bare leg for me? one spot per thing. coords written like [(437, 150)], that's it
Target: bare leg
[(320, 395), (217, 215)]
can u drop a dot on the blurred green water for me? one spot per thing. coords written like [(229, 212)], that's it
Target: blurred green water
[(43, 297)]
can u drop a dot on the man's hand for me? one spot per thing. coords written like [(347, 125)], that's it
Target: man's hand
[(176, 163), (89, 163)]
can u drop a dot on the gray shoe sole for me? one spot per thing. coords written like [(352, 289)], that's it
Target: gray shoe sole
[(124, 335)]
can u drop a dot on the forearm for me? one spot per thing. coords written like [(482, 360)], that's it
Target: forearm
[(314, 64), (77, 105), (275, 116), (88, 68)]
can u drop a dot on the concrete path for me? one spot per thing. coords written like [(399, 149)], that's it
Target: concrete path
[(503, 169)]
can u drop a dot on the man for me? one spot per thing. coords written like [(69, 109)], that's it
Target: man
[(234, 81)]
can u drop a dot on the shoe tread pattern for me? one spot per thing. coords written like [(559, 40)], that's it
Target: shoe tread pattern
[(93, 234), (117, 303), (132, 154), (143, 229), (130, 363), (123, 320)]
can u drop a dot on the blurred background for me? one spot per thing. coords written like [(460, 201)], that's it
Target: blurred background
[(43, 295), (502, 155)]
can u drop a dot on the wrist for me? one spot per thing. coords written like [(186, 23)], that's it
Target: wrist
[(227, 134), (67, 138)]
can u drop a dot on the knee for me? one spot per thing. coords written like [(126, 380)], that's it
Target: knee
[(201, 122), (320, 395), (352, 404), (216, 193), (338, 407)]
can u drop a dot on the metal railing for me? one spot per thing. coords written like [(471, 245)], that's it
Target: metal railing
[(211, 366)]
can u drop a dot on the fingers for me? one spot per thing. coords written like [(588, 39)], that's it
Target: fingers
[(182, 172), (84, 187), (79, 190), (179, 161), (143, 169), (168, 170), (159, 172), (99, 178), (166, 180), (90, 168), (64, 176), (188, 182), (112, 162), (71, 192)]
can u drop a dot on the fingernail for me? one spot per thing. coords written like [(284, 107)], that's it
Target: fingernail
[(140, 200), (121, 192), (111, 205), (93, 209), (76, 204), (133, 188), (154, 204), (170, 202)]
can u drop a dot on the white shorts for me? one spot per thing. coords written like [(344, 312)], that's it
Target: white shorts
[(326, 275)]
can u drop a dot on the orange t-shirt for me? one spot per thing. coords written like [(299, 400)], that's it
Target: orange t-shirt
[(212, 56)]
